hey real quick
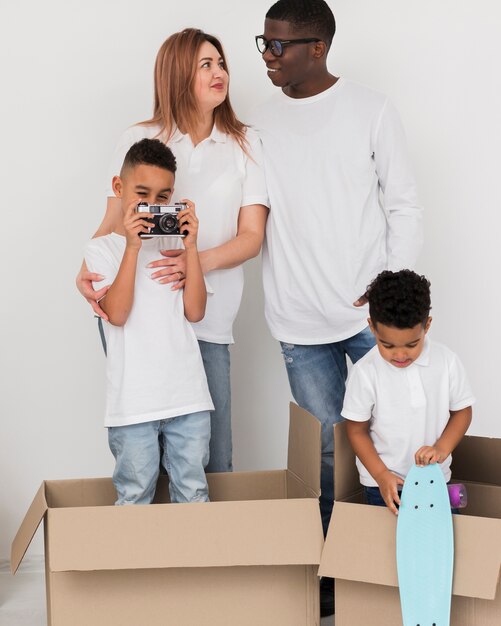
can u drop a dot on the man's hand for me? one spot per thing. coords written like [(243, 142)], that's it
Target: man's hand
[(84, 285), (427, 455), (388, 486), (361, 301)]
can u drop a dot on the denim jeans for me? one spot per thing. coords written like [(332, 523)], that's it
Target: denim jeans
[(136, 448), (317, 377), (216, 359), (373, 496)]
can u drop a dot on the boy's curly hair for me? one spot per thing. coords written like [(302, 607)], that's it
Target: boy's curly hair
[(399, 299)]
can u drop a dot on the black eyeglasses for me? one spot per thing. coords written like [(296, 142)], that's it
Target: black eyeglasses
[(276, 46)]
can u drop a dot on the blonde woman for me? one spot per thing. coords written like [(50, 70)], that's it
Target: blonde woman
[(218, 167)]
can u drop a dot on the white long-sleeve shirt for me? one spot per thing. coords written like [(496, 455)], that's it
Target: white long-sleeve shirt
[(343, 207)]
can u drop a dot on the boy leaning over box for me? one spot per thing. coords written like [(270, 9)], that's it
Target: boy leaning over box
[(407, 400), (157, 386)]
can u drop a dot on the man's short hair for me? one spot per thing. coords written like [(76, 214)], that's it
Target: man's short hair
[(315, 16), (149, 152), (399, 299)]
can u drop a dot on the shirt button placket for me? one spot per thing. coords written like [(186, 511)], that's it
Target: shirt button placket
[(417, 395)]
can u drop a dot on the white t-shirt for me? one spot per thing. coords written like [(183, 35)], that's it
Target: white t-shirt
[(326, 158), (154, 367), (219, 178), (407, 407)]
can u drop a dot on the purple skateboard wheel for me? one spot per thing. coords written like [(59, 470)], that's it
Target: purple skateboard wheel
[(457, 496)]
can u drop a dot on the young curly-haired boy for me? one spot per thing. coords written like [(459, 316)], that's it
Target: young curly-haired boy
[(407, 401)]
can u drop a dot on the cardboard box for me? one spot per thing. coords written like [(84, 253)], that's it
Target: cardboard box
[(249, 557), (360, 546)]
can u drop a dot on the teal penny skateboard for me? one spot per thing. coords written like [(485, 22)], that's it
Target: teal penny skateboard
[(425, 548)]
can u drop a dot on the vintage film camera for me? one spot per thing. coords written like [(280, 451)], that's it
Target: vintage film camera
[(163, 218)]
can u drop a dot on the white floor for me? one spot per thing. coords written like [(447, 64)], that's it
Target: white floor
[(22, 597)]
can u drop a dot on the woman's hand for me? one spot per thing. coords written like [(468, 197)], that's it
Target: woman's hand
[(173, 268), (84, 282)]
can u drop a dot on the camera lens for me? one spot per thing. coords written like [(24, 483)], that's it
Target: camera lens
[(168, 223)]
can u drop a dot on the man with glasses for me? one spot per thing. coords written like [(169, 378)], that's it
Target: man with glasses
[(343, 208)]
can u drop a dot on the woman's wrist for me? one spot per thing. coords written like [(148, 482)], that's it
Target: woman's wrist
[(205, 261)]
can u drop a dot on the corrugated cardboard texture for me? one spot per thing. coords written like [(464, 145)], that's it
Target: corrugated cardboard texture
[(347, 481), (243, 596), (361, 604), (483, 500), (238, 486), (486, 468), (80, 492), (216, 534), (360, 545), (305, 452), (28, 528)]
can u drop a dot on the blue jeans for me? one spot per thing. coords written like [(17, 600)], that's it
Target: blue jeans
[(136, 448), (373, 496), (317, 377), (216, 359)]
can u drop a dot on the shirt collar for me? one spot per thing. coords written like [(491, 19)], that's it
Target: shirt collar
[(216, 135), (424, 357)]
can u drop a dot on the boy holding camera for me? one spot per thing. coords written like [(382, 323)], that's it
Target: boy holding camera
[(157, 386), (407, 400)]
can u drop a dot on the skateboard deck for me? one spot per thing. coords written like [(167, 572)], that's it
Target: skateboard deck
[(425, 548)]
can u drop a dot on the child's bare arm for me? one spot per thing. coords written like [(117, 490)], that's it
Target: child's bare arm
[(194, 293), (358, 434), (117, 303), (455, 430)]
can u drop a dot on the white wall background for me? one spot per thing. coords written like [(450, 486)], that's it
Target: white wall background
[(74, 74)]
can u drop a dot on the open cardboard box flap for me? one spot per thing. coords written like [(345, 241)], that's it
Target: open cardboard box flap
[(86, 532), (305, 449), (28, 528), (215, 535), (487, 466), (360, 545)]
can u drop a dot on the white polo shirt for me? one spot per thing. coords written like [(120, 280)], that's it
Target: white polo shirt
[(407, 408), (154, 368), (326, 160), (219, 178)]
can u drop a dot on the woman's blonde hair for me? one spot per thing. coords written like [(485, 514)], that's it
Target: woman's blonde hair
[(175, 102)]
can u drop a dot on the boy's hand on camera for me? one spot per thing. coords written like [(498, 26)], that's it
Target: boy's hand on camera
[(426, 455), (188, 223), (388, 486), (135, 223)]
